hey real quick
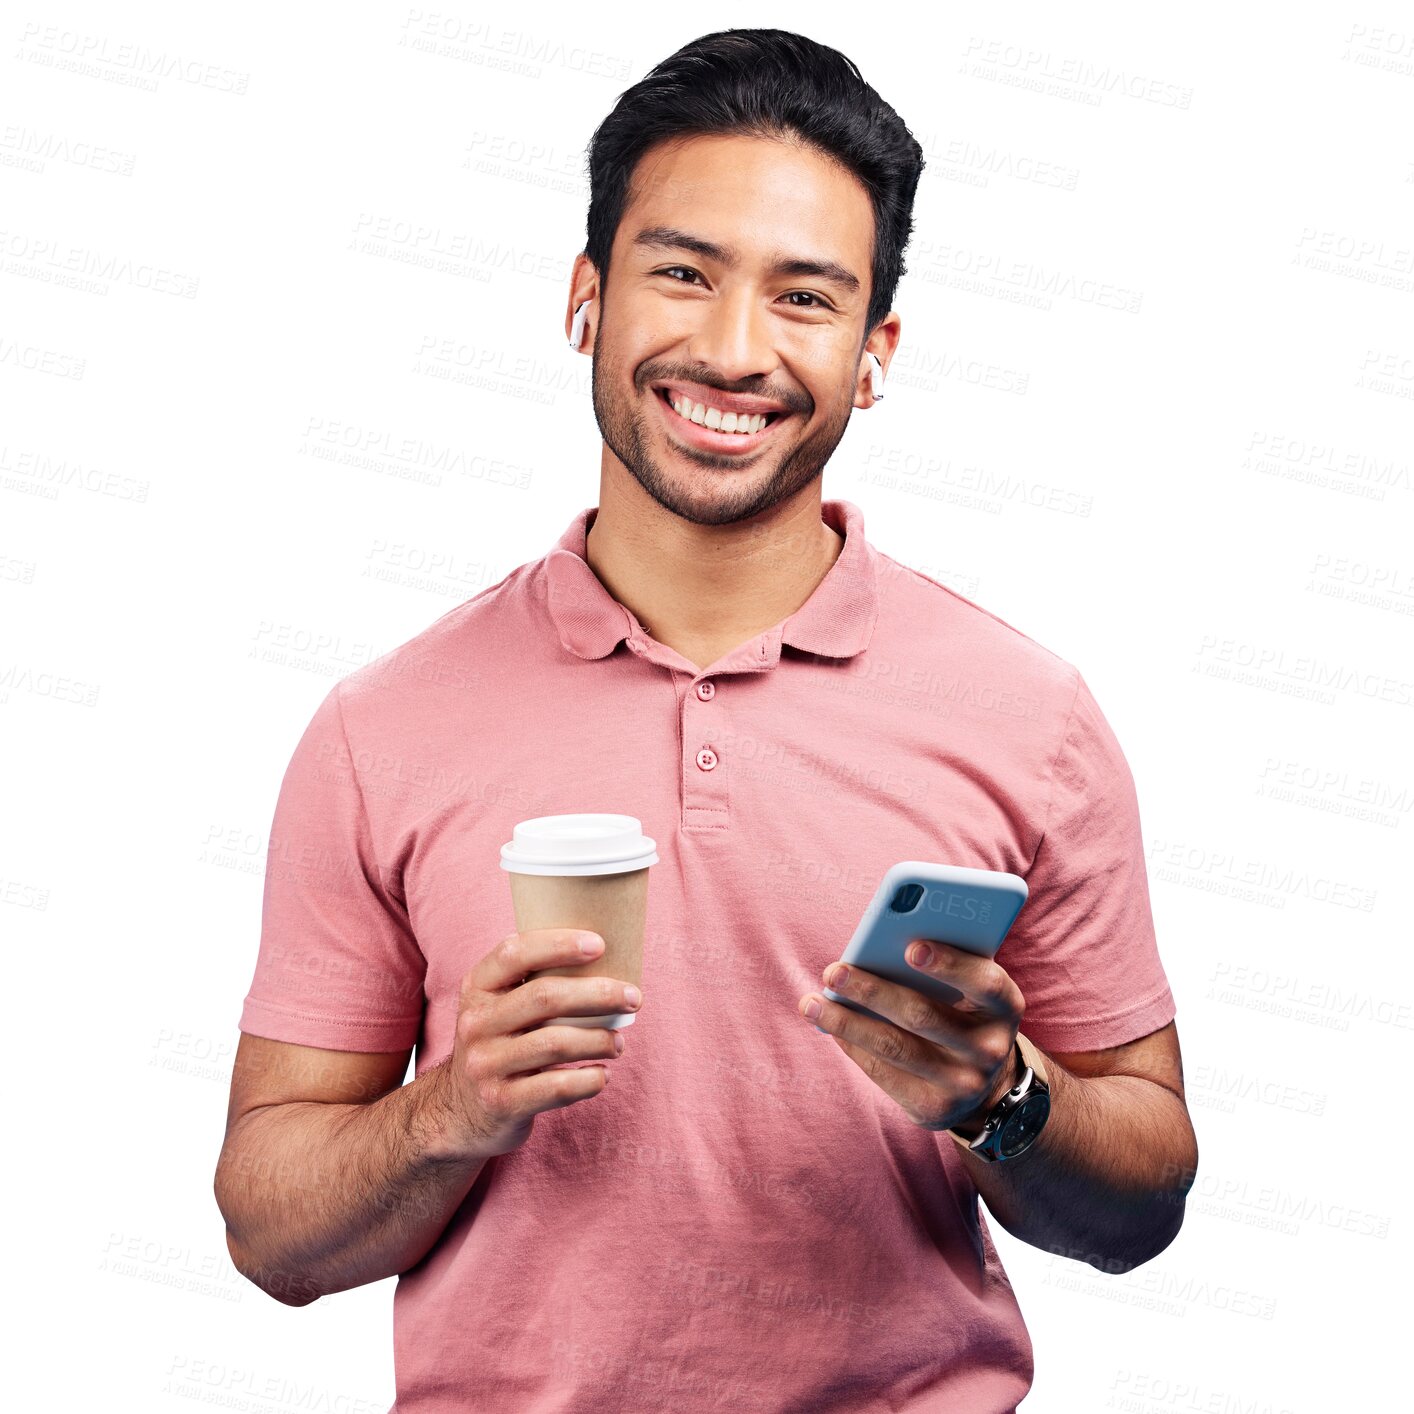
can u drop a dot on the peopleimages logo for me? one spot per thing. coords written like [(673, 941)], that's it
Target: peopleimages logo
[(956, 905)]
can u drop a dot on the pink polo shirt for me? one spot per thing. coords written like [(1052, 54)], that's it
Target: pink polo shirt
[(742, 1220)]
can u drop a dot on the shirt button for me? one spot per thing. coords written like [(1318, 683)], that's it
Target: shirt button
[(706, 758), (706, 690)]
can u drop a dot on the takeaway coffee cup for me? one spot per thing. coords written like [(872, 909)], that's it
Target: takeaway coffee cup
[(584, 871)]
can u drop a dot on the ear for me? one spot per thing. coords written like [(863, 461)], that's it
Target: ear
[(875, 357), (871, 376), (583, 294)]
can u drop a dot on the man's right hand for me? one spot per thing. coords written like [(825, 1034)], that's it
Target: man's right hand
[(496, 1082)]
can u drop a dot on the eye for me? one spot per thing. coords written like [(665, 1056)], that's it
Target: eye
[(816, 301)]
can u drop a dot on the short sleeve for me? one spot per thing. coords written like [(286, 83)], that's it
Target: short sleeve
[(338, 966), (1083, 950)]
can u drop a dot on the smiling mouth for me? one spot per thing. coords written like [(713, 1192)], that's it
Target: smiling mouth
[(712, 439)]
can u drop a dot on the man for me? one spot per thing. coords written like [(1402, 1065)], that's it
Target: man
[(751, 1215)]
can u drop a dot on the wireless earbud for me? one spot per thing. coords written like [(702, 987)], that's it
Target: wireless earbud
[(876, 377), (581, 318)]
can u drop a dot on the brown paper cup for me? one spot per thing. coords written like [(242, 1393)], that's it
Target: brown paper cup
[(591, 872)]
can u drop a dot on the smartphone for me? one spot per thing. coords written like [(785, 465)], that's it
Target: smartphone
[(945, 903)]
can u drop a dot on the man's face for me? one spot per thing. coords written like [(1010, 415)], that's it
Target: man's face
[(728, 322)]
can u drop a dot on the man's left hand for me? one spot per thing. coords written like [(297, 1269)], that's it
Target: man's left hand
[(945, 1064)]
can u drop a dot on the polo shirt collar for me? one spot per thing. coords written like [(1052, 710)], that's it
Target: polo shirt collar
[(835, 622)]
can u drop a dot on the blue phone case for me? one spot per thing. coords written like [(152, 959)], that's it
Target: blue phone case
[(946, 903)]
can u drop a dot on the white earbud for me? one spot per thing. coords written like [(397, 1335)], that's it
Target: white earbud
[(581, 318), (876, 377)]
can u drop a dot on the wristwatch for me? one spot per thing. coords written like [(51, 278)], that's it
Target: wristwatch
[(1012, 1124)]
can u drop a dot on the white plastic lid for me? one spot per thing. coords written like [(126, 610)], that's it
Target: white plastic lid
[(578, 844)]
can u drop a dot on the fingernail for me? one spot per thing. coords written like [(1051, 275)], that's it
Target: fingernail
[(632, 995), (812, 1008), (618, 1043), (920, 955), (588, 943)]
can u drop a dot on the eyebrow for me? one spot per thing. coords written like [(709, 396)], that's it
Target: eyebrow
[(670, 238)]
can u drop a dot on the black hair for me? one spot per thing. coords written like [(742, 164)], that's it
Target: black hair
[(765, 83)]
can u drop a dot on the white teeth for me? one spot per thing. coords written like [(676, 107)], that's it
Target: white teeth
[(716, 419)]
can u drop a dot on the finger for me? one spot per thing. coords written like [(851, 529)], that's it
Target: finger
[(517, 955), (901, 1051), (905, 1007), (512, 1057), (892, 1059), (985, 987), (544, 997), (554, 1089)]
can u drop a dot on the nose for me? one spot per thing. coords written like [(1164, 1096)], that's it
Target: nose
[(733, 337)]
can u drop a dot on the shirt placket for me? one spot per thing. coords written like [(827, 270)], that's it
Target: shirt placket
[(703, 722)]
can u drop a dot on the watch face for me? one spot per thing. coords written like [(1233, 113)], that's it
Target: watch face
[(1024, 1123)]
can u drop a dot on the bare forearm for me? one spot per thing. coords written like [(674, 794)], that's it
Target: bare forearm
[(319, 1198), (1105, 1180)]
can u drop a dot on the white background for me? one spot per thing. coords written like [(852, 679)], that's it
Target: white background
[(1152, 406)]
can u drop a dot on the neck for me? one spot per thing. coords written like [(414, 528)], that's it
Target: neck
[(703, 589)]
